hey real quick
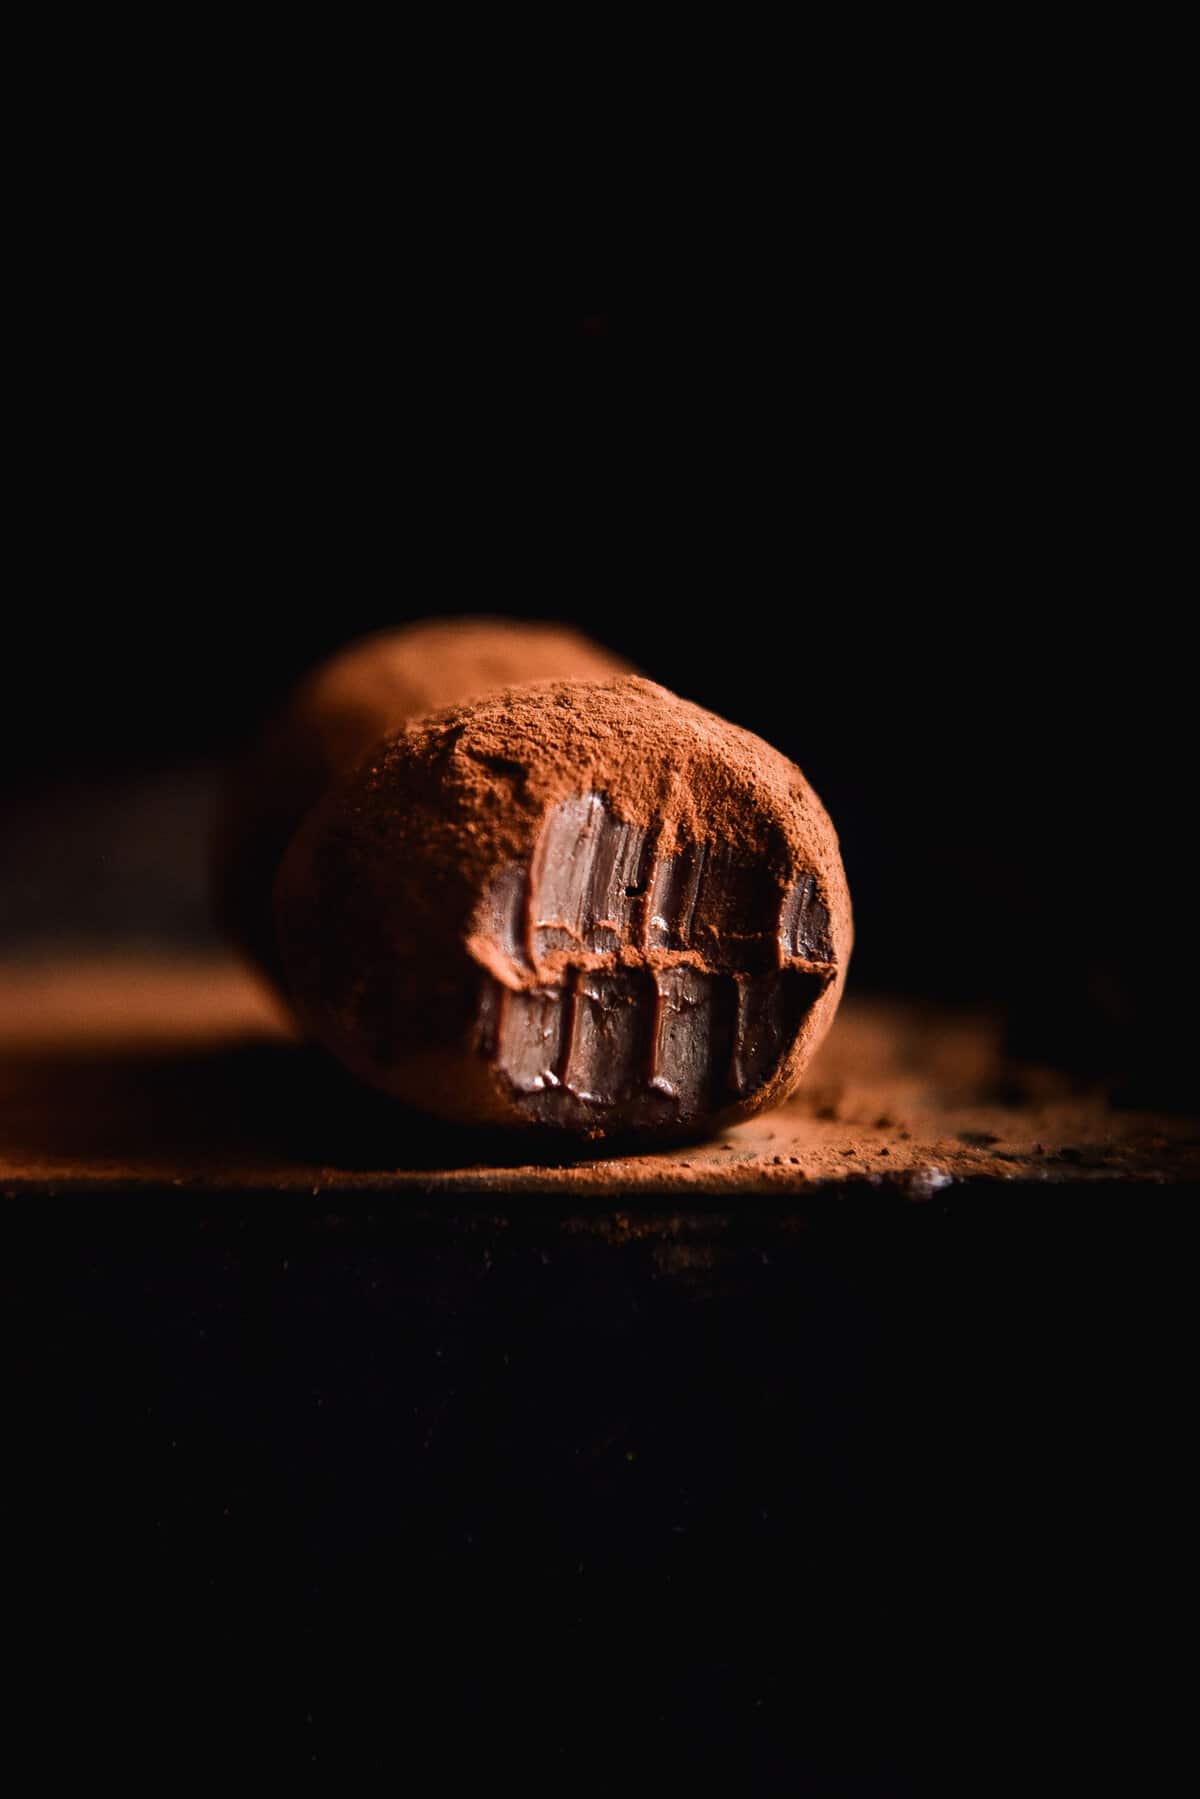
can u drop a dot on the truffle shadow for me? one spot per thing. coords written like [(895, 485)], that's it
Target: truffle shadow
[(248, 1106)]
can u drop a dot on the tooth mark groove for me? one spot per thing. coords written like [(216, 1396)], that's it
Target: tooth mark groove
[(585, 1029)]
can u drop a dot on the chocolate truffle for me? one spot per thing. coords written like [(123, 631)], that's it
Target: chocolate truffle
[(586, 907), (340, 712)]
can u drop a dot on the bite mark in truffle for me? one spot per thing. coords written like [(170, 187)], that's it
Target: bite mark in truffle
[(637, 988)]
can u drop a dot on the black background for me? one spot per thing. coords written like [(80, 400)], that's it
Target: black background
[(885, 484), (898, 508)]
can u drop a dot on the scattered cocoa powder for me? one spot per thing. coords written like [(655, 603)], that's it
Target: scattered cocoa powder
[(128, 1074)]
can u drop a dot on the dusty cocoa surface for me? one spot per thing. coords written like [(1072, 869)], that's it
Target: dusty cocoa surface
[(340, 711), (126, 1074), (504, 882)]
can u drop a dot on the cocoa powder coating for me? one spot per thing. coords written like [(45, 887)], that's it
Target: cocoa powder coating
[(340, 712), (584, 906)]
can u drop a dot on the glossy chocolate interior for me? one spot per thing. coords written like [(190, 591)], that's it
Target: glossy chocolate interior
[(627, 988)]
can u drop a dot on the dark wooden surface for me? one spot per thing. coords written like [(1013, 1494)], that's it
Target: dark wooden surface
[(129, 1073), (803, 1476)]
